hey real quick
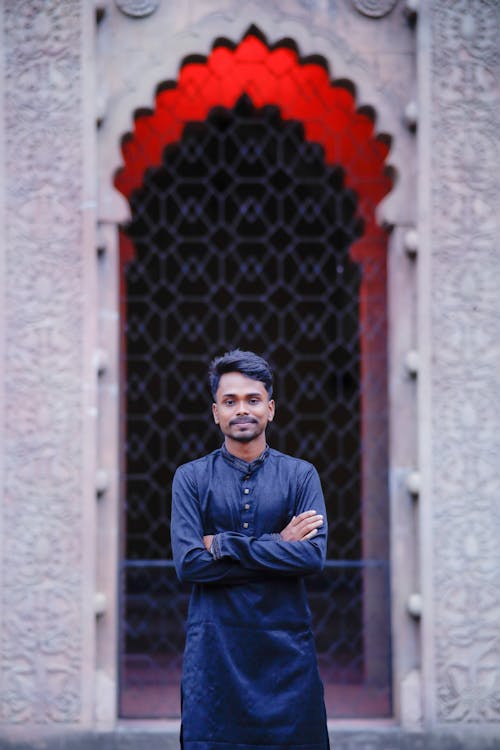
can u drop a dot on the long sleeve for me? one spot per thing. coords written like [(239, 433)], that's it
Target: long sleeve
[(193, 563), (277, 556)]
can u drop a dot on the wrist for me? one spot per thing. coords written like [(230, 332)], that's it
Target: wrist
[(215, 547)]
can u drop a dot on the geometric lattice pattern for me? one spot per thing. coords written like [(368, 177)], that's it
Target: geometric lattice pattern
[(242, 238)]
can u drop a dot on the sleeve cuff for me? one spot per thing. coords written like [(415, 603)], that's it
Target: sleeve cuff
[(215, 547)]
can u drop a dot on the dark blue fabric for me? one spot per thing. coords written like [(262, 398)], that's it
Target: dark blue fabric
[(250, 677)]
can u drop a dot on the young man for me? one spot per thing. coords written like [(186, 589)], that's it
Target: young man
[(248, 523)]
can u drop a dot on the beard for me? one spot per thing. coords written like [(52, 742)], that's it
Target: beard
[(245, 438), (247, 435)]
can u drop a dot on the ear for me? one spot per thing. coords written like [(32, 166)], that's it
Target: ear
[(215, 413), (271, 406)]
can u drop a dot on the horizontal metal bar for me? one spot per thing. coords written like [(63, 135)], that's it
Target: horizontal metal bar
[(369, 563)]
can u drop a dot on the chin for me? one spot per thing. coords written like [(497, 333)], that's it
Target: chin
[(244, 438)]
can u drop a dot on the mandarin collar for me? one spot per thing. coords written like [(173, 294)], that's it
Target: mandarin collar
[(244, 466)]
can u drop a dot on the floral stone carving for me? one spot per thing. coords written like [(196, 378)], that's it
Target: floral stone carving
[(465, 122), (41, 658)]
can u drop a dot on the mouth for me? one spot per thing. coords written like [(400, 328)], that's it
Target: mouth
[(242, 422)]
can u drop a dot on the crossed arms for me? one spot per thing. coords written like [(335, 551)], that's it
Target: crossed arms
[(298, 549)]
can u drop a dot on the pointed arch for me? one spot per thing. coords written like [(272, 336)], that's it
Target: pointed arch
[(303, 91)]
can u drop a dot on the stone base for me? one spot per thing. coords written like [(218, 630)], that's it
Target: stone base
[(354, 739)]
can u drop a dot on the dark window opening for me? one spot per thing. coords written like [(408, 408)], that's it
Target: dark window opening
[(242, 238)]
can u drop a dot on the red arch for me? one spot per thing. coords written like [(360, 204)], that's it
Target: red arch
[(301, 91)]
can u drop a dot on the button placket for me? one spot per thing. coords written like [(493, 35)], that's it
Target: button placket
[(247, 512)]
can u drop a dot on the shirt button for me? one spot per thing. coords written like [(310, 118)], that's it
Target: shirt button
[(245, 525), (246, 491), (247, 506)]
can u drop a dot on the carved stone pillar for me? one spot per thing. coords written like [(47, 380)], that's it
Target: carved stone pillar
[(459, 339), (47, 515)]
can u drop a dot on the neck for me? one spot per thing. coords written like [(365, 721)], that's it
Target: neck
[(246, 451)]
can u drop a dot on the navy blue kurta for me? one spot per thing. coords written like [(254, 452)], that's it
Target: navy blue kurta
[(250, 676)]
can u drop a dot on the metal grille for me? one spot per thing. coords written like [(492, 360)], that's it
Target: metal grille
[(242, 238)]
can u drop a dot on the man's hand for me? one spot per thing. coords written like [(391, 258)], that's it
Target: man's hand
[(207, 541), (302, 527)]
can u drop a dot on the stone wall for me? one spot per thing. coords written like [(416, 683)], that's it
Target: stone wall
[(47, 557), (459, 336)]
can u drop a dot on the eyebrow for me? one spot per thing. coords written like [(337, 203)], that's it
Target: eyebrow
[(248, 395)]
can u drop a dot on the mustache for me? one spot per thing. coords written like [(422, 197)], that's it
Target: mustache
[(243, 420)]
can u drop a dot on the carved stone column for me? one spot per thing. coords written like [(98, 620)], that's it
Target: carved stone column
[(47, 513), (460, 335)]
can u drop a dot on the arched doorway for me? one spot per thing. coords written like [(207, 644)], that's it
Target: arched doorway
[(257, 230)]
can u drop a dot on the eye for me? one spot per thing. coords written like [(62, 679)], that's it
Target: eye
[(228, 402), (254, 400)]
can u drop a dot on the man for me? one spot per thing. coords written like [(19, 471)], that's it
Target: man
[(248, 523)]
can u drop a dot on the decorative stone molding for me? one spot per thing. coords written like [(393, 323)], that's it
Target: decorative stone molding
[(101, 482), (133, 59), (137, 8), (414, 605), (383, 86), (412, 8), (413, 483), (101, 362), (100, 603), (412, 362), (374, 8), (42, 639), (411, 115), (464, 379), (411, 243)]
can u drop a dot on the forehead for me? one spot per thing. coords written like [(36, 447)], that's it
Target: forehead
[(237, 384)]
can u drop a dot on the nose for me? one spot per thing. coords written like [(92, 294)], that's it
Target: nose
[(242, 408)]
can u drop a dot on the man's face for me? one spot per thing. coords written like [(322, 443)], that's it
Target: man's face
[(242, 407)]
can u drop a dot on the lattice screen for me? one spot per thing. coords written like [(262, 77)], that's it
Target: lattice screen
[(242, 238)]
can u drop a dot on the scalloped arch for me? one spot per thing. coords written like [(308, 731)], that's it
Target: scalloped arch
[(269, 76), (303, 90)]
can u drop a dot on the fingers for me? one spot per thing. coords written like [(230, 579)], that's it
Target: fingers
[(310, 535), (307, 514), (207, 541), (307, 525), (308, 518), (311, 526), (302, 526)]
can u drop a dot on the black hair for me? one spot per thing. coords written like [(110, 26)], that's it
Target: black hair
[(248, 363)]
